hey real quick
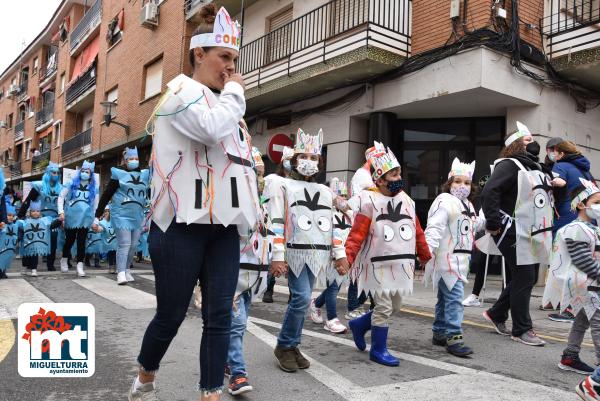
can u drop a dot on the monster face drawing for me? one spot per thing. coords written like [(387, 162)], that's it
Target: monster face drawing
[(314, 223), (394, 235), (82, 194), (136, 191), (463, 234), (34, 233), (542, 202), (10, 240), (49, 204)]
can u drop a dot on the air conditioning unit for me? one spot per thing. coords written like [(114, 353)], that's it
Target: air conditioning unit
[(149, 16), (13, 89), (2, 124)]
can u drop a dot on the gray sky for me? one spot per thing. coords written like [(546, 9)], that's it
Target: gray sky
[(22, 20)]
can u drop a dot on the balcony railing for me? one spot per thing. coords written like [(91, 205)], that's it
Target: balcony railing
[(45, 115), (81, 85), (22, 91), (87, 24), (75, 145), (40, 161), (191, 4), (15, 169), (333, 29), (571, 26), (48, 69), (19, 130)]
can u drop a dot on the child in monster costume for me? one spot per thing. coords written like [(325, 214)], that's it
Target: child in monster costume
[(9, 240)]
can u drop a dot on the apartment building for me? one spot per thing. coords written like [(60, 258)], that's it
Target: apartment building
[(434, 79)]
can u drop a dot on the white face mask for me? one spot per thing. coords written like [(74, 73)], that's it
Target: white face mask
[(593, 212), (461, 192), (307, 168)]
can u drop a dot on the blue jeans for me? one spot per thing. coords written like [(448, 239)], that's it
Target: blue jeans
[(181, 256), (239, 318), (354, 301), (293, 321), (449, 309), (329, 298), (127, 243), (596, 375)]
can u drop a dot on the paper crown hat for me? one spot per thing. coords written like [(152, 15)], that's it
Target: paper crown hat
[(52, 167), (522, 131), (88, 165), (460, 168), (35, 206), (226, 33), (130, 152), (307, 143), (257, 157), (10, 209), (589, 189), (382, 160), (338, 187), (287, 153)]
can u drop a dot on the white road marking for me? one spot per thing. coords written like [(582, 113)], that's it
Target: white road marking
[(466, 384), (147, 276), (123, 295), (14, 293)]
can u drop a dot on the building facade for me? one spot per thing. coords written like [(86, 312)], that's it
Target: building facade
[(433, 79)]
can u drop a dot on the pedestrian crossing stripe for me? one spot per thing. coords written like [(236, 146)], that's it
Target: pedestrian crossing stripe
[(14, 293), (123, 295)]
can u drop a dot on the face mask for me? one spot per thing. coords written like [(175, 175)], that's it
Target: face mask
[(533, 148), (84, 176), (395, 186), (287, 166), (552, 157), (461, 192), (593, 212), (54, 179), (307, 168), (133, 164)]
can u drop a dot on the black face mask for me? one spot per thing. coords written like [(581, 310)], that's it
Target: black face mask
[(533, 148)]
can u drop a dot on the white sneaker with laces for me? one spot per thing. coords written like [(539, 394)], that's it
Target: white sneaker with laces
[(141, 391), (64, 266), (33, 273), (315, 313), (471, 300), (335, 326), (121, 278), (129, 276), (80, 271)]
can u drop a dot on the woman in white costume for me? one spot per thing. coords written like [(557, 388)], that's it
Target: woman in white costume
[(203, 197)]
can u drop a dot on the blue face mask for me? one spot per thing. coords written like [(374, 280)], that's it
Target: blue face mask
[(84, 176), (133, 164), (54, 179), (395, 186)]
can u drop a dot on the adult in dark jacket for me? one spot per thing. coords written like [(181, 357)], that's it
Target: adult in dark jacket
[(499, 198), (569, 166)]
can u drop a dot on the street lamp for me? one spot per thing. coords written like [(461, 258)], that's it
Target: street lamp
[(108, 116)]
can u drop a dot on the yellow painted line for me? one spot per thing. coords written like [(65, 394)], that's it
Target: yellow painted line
[(7, 338)]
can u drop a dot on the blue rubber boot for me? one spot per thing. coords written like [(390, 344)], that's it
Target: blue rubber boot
[(379, 352), (455, 345), (359, 327)]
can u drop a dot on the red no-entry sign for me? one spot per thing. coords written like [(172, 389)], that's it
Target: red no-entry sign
[(275, 147)]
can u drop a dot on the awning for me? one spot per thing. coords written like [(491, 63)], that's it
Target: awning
[(45, 132), (85, 59)]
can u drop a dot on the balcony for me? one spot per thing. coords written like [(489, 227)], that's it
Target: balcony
[(44, 117), (86, 28), (78, 144), (233, 7), (341, 42), (80, 94), (40, 162), (48, 70), (22, 91), (19, 130), (15, 169), (572, 31)]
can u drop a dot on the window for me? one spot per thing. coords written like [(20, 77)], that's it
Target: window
[(115, 29), (278, 45), (1, 94), (57, 128), (27, 150), (9, 120), (113, 96), (35, 65), (62, 82), (153, 75)]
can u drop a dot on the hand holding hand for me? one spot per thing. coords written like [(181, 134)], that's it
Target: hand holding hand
[(278, 268), (342, 266)]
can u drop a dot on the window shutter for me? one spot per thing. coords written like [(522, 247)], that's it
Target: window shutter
[(279, 41), (153, 79)]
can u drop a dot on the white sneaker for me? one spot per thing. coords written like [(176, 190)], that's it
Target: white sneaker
[(33, 273), (141, 392), (315, 313), (471, 300), (129, 276), (64, 265), (335, 326), (121, 278), (80, 271)]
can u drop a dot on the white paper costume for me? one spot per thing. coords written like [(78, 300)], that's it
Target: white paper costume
[(202, 158), (341, 226), (386, 260), (303, 220), (450, 233), (566, 284)]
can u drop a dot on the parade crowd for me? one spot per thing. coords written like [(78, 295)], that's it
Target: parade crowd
[(216, 225)]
